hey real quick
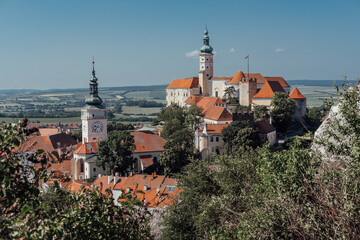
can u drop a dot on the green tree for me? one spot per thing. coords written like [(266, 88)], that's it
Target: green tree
[(313, 118), (115, 153), (281, 109), (261, 112), (229, 95), (119, 127), (240, 107), (230, 133)]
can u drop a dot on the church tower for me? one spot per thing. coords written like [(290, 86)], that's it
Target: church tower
[(206, 64), (93, 115)]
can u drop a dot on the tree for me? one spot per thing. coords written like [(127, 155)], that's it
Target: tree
[(281, 109), (119, 127), (229, 95), (115, 153), (179, 125), (313, 118), (230, 133), (240, 107), (261, 112)]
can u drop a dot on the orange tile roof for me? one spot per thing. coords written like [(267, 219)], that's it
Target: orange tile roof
[(193, 100), (219, 78), (75, 186), (207, 102), (146, 161), (48, 131), (281, 80), (237, 77), (151, 197), (218, 114), (64, 166), (259, 77), (103, 183), (296, 94), (214, 128), (147, 142), (264, 126), (268, 90), (86, 148), (184, 83)]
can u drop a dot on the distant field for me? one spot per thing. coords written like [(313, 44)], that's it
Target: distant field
[(43, 120), (138, 110)]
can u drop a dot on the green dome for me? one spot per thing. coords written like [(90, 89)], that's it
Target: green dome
[(206, 48), (93, 99)]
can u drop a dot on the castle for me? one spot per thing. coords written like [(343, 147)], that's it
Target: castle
[(250, 89)]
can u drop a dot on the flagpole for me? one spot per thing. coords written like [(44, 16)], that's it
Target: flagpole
[(248, 67)]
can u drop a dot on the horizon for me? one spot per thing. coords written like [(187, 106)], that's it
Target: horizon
[(50, 45)]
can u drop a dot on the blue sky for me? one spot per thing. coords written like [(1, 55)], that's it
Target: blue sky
[(50, 44)]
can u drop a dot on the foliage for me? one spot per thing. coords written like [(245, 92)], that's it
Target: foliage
[(229, 95), (144, 103), (110, 115), (233, 135), (118, 108), (26, 213), (313, 118), (240, 107), (115, 153), (179, 125), (261, 112), (289, 194), (119, 127), (282, 107)]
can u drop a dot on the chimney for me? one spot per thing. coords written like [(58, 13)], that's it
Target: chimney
[(127, 189), (99, 175), (157, 190), (145, 187), (205, 128), (109, 179), (116, 178)]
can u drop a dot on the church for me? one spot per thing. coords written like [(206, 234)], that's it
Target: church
[(249, 89)]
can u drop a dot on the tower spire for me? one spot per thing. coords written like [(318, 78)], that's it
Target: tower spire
[(206, 48), (93, 98)]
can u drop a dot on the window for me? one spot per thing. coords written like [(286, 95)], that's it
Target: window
[(217, 139), (81, 166), (207, 66), (94, 169), (171, 189), (216, 94), (207, 59), (211, 139)]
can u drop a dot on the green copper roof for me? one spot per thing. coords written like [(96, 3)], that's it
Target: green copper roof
[(93, 99), (206, 48)]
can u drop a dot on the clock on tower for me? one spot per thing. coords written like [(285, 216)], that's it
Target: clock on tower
[(93, 115)]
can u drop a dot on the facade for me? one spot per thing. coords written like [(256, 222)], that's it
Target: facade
[(300, 101), (267, 133)]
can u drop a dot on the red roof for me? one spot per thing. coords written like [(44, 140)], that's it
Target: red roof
[(268, 90), (281, 80), (48, 131), (296, 94), (147, 142), (184, 83), (193, 100), (150, 197), (214, 128), (237, 77), (146, 161), (218, 114), (207, 102), (220, 78), (86, 148), (264, 126)]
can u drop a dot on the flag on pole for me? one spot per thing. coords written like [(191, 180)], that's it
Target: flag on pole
[(247, 57)]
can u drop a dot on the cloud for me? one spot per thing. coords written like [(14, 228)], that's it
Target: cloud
[(192, 54), (279, 50), (232, 50)]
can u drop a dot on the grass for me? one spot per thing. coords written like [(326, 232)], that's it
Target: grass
[(138, 110)]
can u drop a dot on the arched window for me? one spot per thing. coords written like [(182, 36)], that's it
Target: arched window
[(81, 166)]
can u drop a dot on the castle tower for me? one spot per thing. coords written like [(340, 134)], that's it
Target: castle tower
[(247, 89), (206, 65), (93, 115)]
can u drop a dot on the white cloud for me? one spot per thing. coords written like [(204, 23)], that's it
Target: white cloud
[(279, 50), (194, 53), (232, 50)]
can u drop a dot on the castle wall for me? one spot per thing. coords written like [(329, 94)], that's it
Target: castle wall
[(261, 101), (178, 96)]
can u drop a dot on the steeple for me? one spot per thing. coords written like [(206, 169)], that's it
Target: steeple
[(206, 48), (93, 99)]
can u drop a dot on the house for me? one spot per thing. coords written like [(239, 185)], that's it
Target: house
[(209, 140), (267, 133)]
